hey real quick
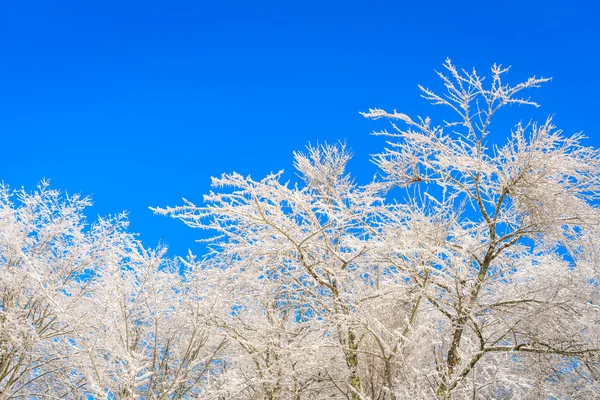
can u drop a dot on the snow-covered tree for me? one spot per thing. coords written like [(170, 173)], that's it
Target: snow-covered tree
[(46, 264), (85, 310), (511, 268), (287, 272), (468, 268), (475, 277)]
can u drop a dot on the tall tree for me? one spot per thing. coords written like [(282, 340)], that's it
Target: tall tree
[(292, 259), (476, 276), (468, 268)]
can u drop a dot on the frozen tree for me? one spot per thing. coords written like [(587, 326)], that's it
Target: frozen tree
[(46, 264), (86, 311), (475, 277), (511, 268), (467, 268), (149, 337), (288, 263)]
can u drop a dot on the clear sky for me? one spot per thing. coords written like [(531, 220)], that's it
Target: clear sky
[(138, 103)]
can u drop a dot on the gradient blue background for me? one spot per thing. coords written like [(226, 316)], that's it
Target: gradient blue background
[(138, 103)]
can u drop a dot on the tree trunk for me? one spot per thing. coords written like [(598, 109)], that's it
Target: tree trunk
[(352, 361)]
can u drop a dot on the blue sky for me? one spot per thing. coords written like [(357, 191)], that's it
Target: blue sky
[(138, 103)]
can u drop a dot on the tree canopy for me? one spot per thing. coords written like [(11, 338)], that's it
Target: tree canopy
[(467, 268)]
